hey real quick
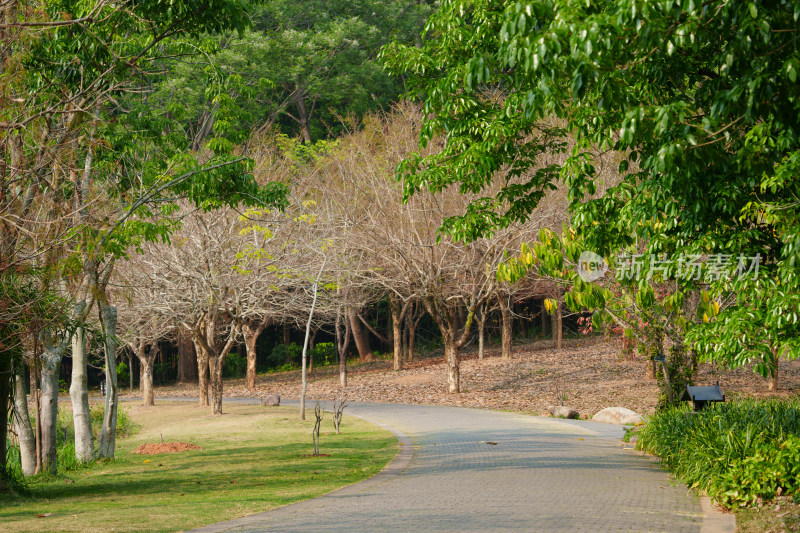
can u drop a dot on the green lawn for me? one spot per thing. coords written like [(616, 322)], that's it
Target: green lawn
[(253, 459)]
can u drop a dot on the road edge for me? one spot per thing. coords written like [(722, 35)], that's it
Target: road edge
[(394, 468)]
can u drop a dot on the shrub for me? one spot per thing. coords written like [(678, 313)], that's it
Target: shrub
[(285, 354), (324, 353), (235, 366), (123, 376), (739, 452)]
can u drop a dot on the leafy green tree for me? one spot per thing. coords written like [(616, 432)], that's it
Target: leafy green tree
[(89, 169), (304, 65), (700, 101)]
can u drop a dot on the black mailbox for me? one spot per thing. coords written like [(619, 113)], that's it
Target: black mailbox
[(700, 396)]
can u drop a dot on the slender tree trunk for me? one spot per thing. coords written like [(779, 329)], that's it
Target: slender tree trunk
[(360, 337), (342, 346), (130, 373), (772, 380), (202, 373), (481, 338), (287, 334), (36, 396), (22, 423), (305, 120), (508, 322), (6, 384), (251, 334), (558, 331), (412, 331), (79, 394), (49, 408), (215, 369), (397, 311), (108, 432), (315, 290)]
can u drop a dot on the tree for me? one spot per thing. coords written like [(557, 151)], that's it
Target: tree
[(70, 173), (707, 141)]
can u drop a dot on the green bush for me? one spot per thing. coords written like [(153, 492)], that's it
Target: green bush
[(235, 366), (324, 353), (739, 452), (123, 376), (285, 354)]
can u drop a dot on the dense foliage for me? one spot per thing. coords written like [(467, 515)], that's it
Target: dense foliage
[(700, 102), (739, 452)]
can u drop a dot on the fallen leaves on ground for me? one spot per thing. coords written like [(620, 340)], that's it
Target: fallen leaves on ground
[(588, 372)]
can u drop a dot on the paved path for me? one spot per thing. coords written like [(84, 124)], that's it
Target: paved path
[(475, 470)]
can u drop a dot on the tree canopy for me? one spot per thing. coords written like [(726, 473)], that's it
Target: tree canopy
[(700, 101)]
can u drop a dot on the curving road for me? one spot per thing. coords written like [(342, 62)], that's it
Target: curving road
[(475, 470)]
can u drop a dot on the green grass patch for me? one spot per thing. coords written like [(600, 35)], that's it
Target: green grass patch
[(253, 459), (741, 453)]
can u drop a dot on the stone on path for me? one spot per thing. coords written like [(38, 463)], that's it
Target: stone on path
[(617, 415), (560, 411)]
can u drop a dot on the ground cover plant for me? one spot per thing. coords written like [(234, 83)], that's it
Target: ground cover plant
[(253, 459), (741, 453)]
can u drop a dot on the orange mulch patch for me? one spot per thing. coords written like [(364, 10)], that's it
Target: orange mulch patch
[(153, 448)]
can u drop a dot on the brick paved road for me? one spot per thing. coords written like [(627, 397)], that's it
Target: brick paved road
[(541, 475)]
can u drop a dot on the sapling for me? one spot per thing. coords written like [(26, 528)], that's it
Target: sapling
[(338, 411), (318, 412)]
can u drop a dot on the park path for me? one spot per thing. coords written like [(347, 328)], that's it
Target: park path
[(476, 470)]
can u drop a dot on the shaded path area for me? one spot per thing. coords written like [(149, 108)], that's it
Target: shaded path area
[(476, 470)]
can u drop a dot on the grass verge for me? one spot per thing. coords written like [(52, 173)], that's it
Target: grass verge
[(253, 459)]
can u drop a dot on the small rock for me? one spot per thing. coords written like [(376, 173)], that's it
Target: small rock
[(273, 399), (560, 411), (617, 415)]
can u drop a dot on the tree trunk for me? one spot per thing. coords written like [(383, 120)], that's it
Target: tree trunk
[(360, 337), (342, 346), (451, 356), (6, 383), (287, 334), (22, 424), (130, 373), (108, 432), (187, 360), (202, 373), (36, 396), (772, 380), (412, 332), (215, 370), (79, 394), (49, 408), (481, 338), (148, 396), (304, 119), (397, 311), (251, 334), (558, 331), (508, 322)]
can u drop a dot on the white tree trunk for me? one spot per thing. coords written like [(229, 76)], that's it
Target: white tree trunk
[(315, 289), (79, 393), (22, 424), (108, 433)]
